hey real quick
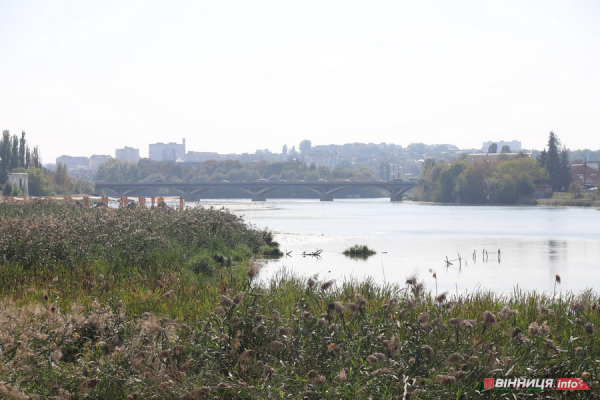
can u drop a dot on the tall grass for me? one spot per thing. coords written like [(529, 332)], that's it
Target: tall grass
[(172, 332)]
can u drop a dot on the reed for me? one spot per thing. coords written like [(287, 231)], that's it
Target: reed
[(88, 329)]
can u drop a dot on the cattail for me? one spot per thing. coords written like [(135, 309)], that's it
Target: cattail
[(589, 328), (361, 300), (423, 317), (328, 284), (88, 385), (168, 295), (120, 304), (276, 346), (544, 329), (323, 322), (253, 270), (333, 328), (239, 298), (352, 307), (428, 350), (412, 361), (440, 298), (246, 355), (334, 348), (341, 376), (585, 375), (372, 359), (411, 280), (533, 329), (336, 307), (445, 379), (306, 315), (312, 281), (557, 278), (226, 301), (467, 323), (315, 377), (489, 318), (276, 316), (259, 330)]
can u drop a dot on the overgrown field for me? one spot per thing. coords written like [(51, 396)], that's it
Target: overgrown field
[(157, 326)]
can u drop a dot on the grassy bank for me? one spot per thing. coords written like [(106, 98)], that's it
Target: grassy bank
[(160, 328)]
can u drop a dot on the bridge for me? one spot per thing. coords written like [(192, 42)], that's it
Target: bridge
[(258, 190)]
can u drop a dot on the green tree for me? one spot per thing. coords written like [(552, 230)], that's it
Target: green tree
[(505, 149), (471, 184), (36, 160), (7, 189), (493, 148), (552, 159), (575, 189), (83, 186), (22, 150), (513, 179), (61, 180), (37, 185), (14, 154), (5, 152)]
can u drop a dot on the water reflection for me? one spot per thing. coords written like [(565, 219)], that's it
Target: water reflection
[(412, 238)]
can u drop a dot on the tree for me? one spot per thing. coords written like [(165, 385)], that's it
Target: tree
[(5, 152), (37, 184), (493, 148), (61, 179), (14, 154), (36, 160), (505, 149), (305, 146), (284, 150), (471, 184), (514, 179), (22, 150), (551, 160)]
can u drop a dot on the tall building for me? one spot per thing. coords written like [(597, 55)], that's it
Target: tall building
[(167, 151), (128, 154), (98, 160), (73, 162), (514, 145)]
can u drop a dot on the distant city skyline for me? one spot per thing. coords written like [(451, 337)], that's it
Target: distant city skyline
[(83, 78)]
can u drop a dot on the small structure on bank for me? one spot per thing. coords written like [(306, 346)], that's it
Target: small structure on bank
[(20, 180)]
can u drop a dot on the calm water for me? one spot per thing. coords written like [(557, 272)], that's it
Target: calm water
[(535, 243)]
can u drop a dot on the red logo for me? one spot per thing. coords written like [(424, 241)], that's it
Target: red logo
[(571, 384), (488, 383)]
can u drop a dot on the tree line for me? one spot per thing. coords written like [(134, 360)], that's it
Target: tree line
[(506, 181)]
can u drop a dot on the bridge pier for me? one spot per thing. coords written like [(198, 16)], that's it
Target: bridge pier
[(259, 197), (326, 197), (396, 196)]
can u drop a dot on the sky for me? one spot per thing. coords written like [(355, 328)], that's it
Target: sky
[(87, 77)]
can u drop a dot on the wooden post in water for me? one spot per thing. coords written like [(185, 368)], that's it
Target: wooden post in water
[(181, 203), (142, 201), (86, 201), (153, 200)]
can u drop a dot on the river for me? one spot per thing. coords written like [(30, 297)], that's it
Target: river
[(535, 243)]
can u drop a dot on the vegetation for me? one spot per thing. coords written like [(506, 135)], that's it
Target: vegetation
[(173, 325), (359, 251)]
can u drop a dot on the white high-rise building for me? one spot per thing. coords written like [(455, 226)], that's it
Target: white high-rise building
[(128, 154), (167, 151)]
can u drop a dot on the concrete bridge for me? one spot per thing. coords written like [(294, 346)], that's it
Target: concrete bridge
[(258, 190)]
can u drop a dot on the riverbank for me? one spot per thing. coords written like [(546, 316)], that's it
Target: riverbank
[(164, 328)]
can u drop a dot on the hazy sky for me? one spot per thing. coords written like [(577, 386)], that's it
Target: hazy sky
[(87, 77)]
